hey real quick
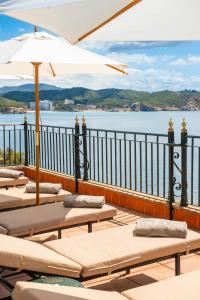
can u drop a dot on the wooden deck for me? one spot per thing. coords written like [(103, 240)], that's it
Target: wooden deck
[(138, 276)]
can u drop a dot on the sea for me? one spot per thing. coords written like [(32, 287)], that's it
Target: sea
[(149, 122)]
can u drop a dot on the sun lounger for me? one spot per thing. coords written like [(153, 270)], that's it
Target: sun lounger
[(8, 182), (92, 255), (115, 249), (38, 291), (50, 217), (182, 287), (17, 197)]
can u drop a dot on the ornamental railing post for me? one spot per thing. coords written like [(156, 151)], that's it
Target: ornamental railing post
[(184, 198), (85, 160), (77, 153), (171, 168), (26, 163)]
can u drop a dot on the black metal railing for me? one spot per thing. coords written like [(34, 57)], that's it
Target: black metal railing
[(12, 150), (163, 165), (128, 159), (56, 148), (193, 169)]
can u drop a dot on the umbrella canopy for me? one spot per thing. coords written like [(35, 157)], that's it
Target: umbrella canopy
[(44, 54), (73, 19), (112, 20), (58, 57)]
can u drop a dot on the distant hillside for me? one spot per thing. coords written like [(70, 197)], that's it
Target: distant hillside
[(107, 98), (27, 88), (5, 104)]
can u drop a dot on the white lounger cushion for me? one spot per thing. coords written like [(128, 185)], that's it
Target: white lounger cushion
[(9, 173), (13, 181), (26, 255), (108, 250), (3, 230), (30, 220), (38, 291), (26, 199), (7, 200), (183, 287)]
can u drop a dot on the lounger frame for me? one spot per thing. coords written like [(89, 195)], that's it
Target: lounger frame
[(33, 275), (25, 206), (15, 183), (31, 205), (60, 228)]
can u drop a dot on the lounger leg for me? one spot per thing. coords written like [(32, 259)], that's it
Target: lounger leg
[(177, 264), (6, 284), (128, 271), (89, 227), (59, 234)]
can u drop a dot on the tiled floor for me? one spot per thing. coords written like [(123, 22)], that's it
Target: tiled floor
[(138, 276)]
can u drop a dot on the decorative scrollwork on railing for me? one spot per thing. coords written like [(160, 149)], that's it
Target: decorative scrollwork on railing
[(177, 185), (176, 155), (83, 163)]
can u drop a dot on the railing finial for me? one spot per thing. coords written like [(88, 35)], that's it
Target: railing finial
[(83, 120), (76, 120), (35, 28), (184, 126), (171, 125)]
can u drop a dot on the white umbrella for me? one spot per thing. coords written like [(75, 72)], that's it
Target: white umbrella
[(31, 54), (73, 19), (111, 20)]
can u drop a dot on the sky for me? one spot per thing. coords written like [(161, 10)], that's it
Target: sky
[(152, 66)]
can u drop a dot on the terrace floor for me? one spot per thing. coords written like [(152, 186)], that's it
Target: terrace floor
[(138, 276)]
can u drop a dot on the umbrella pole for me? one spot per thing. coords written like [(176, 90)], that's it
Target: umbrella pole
[(37, 129)]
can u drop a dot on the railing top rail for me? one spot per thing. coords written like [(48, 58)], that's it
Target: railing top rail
[(106, 130), (128, 132), (128, 140), (194, 136), (52, 126), (3, 125)]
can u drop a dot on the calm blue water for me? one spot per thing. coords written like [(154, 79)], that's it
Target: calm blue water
[(131, 121)]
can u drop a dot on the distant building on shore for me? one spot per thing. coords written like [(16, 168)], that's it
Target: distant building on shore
[(44, 105), (86, 107), (17, 110), (68, 101)]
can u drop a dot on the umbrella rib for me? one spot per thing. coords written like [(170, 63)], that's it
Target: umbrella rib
[(117, 69), (52, 70), (121, 11)]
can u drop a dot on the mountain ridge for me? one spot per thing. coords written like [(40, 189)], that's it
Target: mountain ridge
[(27, 88), (106, 98)]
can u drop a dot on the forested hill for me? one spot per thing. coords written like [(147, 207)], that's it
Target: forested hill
[(106, 97)]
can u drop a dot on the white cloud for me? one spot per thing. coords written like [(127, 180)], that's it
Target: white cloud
[(98, 46), (189, 60), (147, 80), (134, 58), (125, 45)]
